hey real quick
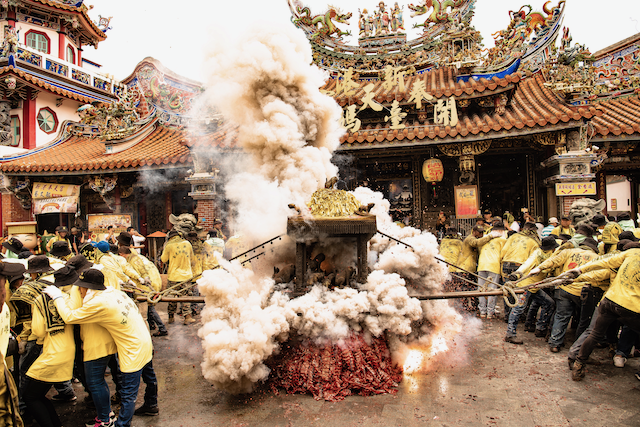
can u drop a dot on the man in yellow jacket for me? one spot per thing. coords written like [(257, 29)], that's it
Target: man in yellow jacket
[(567, 297), (118, 314), (181, 260), (541, 298), (489, 269), (152, 283), (517, 250), (468, 263), (621, 302)]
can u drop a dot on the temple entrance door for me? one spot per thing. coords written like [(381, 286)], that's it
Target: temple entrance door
[(502, 183)]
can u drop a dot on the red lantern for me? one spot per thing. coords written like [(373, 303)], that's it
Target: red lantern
[(432, 170)]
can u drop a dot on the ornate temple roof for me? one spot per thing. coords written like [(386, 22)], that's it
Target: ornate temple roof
[(79, 18), (163, 147), (620, 116)]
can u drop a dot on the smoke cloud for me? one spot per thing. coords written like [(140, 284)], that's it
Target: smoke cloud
[(266, 90)]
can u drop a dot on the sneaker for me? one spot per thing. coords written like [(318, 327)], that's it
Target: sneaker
[(97, 423), (540, 333), (64, 398), (491, 316), (147, 410), (513, 340), (619, 361), (577, 374), (161, 334), (554, 349)]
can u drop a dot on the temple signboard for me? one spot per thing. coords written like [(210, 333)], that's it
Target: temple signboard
[(576, 189)]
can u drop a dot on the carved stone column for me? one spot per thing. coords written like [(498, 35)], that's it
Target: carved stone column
[(6, 136)]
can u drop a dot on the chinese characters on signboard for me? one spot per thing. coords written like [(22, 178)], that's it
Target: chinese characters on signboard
[(576, 189), (467, 202)]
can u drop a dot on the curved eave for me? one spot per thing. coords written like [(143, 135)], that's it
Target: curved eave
[(80, 12)]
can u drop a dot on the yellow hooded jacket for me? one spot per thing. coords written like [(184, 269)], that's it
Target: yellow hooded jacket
[(569, 259), (518, 248), (55, 363), (96, 340), (624, 289), (468, 258), (118, 314), (450, 250), (179, 255), (490, 258)]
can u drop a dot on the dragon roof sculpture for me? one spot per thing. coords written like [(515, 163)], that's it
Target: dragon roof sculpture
[(447, 39)]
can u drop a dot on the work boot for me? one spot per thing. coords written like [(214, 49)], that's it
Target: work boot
[(171, 318), (513, 340), (529, 328), (540, 333), (147, 410), (189, 320), (571, 363), (577, 374), (161, 333)]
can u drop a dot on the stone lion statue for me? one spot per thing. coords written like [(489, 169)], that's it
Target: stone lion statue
[(184, 223), (582, 210)]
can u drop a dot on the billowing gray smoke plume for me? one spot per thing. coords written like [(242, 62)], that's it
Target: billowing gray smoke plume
[(264, 86)]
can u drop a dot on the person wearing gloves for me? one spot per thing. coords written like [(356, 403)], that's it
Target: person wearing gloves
[(489, 268), (55, 363), (152, 283), (621, 302), (567, 296), (9, 405), (517, 250), (178, 255), (116, 312), (541, 298)]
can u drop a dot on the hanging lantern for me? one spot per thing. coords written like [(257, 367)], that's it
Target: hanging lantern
[(432, 170)]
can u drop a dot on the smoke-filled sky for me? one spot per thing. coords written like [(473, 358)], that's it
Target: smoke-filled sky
[(176, 33)]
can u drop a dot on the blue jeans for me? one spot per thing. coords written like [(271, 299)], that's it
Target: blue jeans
[(565, 303), (130, 383), (151, 382), (98, 387), (542, 299), (487, 305)]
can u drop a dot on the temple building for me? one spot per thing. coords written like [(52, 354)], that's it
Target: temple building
[(534, 124), (436, 122)]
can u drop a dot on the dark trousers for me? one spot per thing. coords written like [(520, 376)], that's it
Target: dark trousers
[(98, 387), (153, 318), (38, 406), (608, 312), (151, 382), (589, 298)]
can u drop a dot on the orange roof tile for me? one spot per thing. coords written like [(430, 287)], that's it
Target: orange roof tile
[(164, 146)]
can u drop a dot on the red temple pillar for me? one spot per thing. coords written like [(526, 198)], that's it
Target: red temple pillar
[(29, 120)]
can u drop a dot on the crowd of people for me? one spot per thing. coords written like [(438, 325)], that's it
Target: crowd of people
[(71, 314), (596, 264)]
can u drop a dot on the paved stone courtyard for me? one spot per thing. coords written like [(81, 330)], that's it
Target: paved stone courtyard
[(502, 385)]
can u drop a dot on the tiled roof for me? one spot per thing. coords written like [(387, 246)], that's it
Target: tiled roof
[(163, 147), (532, 106), (620, 116), (35, 81), (226, 136), (82, 10)]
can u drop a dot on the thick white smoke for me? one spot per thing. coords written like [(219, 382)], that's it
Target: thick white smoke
[(265, 86)]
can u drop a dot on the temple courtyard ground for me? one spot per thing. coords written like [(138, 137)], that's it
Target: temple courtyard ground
[(501, 385)]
